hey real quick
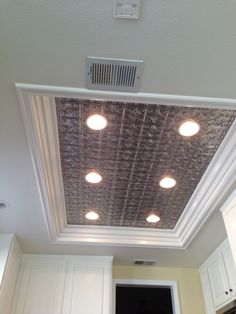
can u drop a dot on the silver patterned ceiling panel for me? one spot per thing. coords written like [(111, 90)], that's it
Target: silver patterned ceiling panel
[(140, 145)]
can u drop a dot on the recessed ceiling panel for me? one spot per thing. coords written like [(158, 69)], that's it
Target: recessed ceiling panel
[(138, 147)]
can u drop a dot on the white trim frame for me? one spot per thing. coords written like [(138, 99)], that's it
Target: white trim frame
[(152, 283), (39, 115), (229, 215)]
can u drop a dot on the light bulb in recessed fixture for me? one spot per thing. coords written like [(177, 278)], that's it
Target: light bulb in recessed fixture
[(153, 218), (96, 122), (189, 128), (93, 177), (92, 215), (3, 204), (167, 182)]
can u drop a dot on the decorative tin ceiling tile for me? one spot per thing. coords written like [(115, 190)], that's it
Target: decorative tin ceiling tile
[(139, 145)]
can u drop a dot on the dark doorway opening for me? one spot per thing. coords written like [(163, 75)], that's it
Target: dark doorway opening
[(143, 300)]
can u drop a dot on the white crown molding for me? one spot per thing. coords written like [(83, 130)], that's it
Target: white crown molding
[(38, 111), (213, 189), (147, 98)]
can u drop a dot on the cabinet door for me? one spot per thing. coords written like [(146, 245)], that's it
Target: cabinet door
[(230, 268), (210, 309), (88, 286), (9, 279), (40, 285), (218, 280)]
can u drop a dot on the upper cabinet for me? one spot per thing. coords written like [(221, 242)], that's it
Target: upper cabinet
[(218, 280), (5, 245), (210, 308), (218, 276), (88, 286), (229, 216), (10, 257), (64, 285), (40, 285), (230, 268)]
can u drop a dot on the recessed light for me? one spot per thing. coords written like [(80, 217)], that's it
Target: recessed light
[(92, 215), (189, 128), (3, 204), (167, 182), (96, 122), (93, 177), (153, 218)]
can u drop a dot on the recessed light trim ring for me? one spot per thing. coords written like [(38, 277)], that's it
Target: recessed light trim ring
[(167, 182), (152, 218), (96, 122), (93, 177), (189, 128), (92, 215)]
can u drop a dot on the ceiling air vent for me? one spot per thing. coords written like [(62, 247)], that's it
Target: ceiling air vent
[(144, 262), (113, 74)]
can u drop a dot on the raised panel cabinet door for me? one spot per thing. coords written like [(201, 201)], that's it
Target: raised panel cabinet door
[(230, 268), (210, 309), (218, 280), (88, 287), (40, 286)]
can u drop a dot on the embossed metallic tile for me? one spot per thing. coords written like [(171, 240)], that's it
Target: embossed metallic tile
[(139, 145)]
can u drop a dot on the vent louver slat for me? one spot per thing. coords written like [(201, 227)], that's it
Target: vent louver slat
[(144, 262), (113, 74)]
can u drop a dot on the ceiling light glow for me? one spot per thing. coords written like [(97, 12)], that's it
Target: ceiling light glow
[(92, 215), (189, 128), (167, 182), (93, 177), (153, 218), (3, 204), (96, 122)]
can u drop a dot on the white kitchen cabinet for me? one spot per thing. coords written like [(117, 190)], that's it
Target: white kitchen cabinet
[(206, 289), (229, 216), (5, 244), (229, 267), (51, 284), (218, 280), (88, 286), (218, 277), (10, 256), (40, 286)]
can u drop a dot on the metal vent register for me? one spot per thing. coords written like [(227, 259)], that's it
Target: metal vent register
[(113, 74), (144, 262)]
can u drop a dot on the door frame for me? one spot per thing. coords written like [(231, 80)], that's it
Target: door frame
[(154, 283)]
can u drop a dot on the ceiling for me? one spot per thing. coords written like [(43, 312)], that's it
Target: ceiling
[(188, 48), (139, 146)]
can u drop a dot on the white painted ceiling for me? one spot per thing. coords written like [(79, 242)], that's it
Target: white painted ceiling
[(188, 47)]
